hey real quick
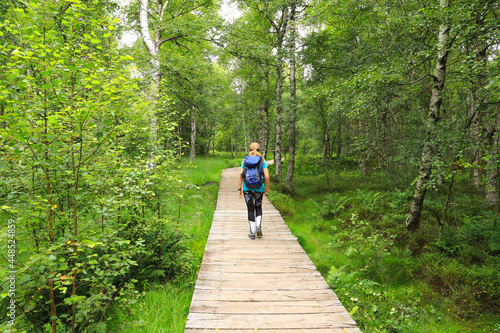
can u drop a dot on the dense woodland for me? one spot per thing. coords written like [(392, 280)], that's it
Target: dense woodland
[(94, 134)]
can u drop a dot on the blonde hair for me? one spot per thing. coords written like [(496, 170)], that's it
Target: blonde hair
[(254, 146)]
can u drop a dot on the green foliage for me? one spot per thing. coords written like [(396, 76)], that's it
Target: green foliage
[(333, 205), (77, 175), (388, 279), (283, 202)]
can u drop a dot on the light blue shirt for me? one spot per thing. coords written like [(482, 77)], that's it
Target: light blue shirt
[(263, 187)]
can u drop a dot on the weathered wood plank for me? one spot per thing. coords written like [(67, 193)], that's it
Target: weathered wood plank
[(231, 276), (263, 268), (268, 307), (259, 296), (262, 285), (270, 321), (298, 330), (256, 262), (252, 254)]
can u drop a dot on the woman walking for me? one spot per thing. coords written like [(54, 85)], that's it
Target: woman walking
[(253, 196)]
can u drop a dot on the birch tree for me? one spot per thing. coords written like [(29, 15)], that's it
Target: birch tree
[(293, 99), (276, 14), (161, 22), (433, 116)]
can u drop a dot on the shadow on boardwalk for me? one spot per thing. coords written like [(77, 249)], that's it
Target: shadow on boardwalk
[(265, 285)]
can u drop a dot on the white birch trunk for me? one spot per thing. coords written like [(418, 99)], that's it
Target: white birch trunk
[(264, 120), (153, 48), (293, 105), (279, 119), (244, 130), (192, 152), (428, 152), (491, 197), (279, 92)]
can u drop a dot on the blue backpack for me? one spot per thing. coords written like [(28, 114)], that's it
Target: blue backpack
[(252, 172)]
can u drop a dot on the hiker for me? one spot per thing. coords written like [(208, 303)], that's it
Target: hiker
[(253, 194)]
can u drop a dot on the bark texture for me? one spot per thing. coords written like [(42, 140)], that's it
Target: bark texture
[(493, 136), (280, 33), (293, 104), (192, 152), (153, 47), (429, 149), (264, 119), (279, 119)]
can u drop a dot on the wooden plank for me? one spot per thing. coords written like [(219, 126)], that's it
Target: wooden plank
[(267, 268), (251, 255), (259, 296), (256, 262), (299, 330), (224, 275), (268, 307), (270, 321), (259, 285)]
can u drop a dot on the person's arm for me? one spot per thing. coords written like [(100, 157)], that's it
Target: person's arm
[(240, 184), (267, 180)]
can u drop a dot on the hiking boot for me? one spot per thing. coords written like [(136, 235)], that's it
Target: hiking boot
[(259, 232), (251, 235)]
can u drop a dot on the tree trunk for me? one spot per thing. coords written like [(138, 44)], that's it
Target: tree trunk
[(474, 114), (244, 130), (493, 136), (279, 91), (339, 134), (326, 141), (385, 141), (264, 133), (429, 150), (293, 105), (180, 139), (153, 48), (231, 143), (279, 120), (192, 152)]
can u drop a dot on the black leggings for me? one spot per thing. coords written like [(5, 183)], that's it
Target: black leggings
[(254, 204)]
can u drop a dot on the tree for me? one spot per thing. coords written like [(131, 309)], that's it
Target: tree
[(293, 98), (172, 21), (276, 16)]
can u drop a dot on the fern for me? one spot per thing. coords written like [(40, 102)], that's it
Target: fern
[(370, 200), (333, 205)]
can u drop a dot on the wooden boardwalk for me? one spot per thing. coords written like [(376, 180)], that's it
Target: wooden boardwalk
[(267, 285)]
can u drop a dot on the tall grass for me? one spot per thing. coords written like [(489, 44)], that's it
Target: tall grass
[(165, 307), (161, 309)]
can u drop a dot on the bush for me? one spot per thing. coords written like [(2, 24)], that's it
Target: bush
[(473, 289)]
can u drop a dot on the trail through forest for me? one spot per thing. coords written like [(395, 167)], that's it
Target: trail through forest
[(268, 284)]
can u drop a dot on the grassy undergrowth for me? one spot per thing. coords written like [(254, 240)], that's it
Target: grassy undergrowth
[(164, 307), (352, 227)]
